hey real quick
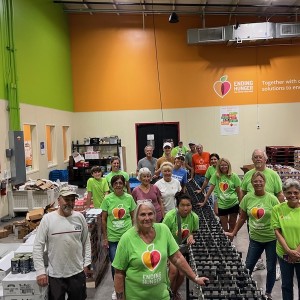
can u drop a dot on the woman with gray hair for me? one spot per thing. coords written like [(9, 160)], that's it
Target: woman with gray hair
[(142, 256), (147, 191), (285, 221)]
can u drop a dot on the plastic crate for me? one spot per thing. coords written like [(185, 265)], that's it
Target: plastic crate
[(23, 201)]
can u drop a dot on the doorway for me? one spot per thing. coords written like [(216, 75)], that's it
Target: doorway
[(155, 134)]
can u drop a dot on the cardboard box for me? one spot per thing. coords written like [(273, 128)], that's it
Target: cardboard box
[(35, 214), (9, 228), (24, 249), (3, 233), (22, 232), (22, 284), (5, 265), (44, 296)]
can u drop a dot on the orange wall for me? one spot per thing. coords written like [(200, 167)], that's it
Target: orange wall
[(114, 66)]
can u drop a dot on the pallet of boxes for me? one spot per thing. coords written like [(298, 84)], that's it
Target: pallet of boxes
[(99, 254)]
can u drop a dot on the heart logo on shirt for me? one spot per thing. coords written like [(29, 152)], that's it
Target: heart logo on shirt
[(151, 258), (223, 186), (119, 212), (184, 231), (257, 212)]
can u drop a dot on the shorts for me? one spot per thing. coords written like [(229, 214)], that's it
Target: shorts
[(228, 211)]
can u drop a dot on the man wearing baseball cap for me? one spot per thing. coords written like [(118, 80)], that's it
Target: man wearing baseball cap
[(65, 234), (167, 148)]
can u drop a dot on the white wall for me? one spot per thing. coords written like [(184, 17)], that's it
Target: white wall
[(39, 116), (278, 126)]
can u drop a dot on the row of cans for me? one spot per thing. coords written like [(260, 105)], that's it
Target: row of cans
[(22, 264)]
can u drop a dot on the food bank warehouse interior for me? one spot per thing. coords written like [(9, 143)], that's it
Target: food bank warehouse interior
[(84, 81)]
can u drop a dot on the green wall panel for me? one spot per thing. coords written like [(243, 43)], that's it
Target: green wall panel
[(43, 54)]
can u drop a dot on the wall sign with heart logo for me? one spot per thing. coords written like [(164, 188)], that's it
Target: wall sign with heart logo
[(257, 212), (222, 87)]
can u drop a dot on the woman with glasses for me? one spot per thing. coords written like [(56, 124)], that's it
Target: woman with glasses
[(179, 172), (117, 217), (227, 187), (286, 222)]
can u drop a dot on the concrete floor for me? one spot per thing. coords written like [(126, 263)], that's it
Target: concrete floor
[(105, 288)]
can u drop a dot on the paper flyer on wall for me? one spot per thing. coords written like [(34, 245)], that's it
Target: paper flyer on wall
[(229, 120)]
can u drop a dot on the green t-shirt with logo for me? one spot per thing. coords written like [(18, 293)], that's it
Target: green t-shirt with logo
[(98, 188), (259, 209), (273, 181), (288, 220), (189, 224), (110, 175), (225, 189), (210, 172), (118, 214), (145, 264)]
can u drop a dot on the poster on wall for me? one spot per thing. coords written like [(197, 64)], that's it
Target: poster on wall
[(229, 120)]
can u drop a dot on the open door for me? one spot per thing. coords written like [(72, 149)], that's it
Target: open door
[(155, 134)]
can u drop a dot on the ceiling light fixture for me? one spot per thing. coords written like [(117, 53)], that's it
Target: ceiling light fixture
[(173, 18)]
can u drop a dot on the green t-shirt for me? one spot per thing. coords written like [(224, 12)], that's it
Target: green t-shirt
[(210, 172), (178, 150), (189, 224), (288, 220), (98, 188), (225, 189), (145, 264), (273, 181), (258, 209), (118, 214), (110, 175)]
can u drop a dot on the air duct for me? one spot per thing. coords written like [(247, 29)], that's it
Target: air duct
[(250, 32)]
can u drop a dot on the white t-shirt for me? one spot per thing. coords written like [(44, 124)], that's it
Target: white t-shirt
[(168, 191)]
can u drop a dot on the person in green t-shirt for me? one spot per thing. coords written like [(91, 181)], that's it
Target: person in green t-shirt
[(213, 159), (97, 188), (226, 185), (115, 170), (285, 221), (258, 207), (189, 223), (117, 215), (142, 256)]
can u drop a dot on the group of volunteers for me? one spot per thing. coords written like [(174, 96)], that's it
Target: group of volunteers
[(144, 229)]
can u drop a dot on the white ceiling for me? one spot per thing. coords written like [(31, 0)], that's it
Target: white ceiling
[(267, 8)]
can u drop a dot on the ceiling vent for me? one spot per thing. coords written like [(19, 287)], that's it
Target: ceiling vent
[(207, 35), (253, 32), (287, 30)]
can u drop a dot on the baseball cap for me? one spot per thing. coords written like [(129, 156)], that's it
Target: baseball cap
[(179, 155), (66, 191), (167, 144), (192, 143)]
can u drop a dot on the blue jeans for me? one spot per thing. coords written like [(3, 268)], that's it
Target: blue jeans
[(255, 250), (199, 179), (287, 277), (112, 253)]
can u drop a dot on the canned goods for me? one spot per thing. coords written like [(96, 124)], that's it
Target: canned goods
[(31, 264), (24, 265), (15, 265)]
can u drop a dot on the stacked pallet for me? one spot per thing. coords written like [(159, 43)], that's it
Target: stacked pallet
[(99, 254), (281, 155)]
